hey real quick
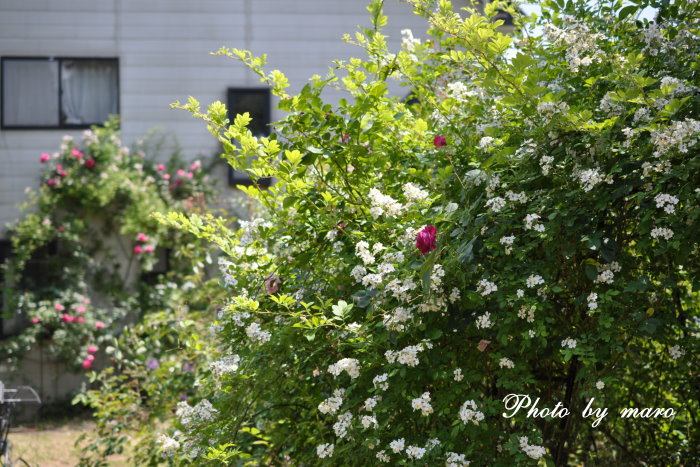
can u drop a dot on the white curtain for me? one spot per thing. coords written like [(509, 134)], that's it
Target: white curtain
[(30, 92), (90, 91)]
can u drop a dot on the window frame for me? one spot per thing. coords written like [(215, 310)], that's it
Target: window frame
[(234, 176), (59, 60)]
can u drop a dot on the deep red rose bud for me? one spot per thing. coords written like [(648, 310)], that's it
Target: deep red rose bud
[(426, 239), (440, 141), (90, 163)]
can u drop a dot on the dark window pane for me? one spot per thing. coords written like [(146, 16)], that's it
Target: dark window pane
[(257, 103)]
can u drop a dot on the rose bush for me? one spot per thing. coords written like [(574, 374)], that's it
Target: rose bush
[(526, 223), (87, 235)]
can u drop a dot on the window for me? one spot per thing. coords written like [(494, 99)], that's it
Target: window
[(257, 103), (58, 92)]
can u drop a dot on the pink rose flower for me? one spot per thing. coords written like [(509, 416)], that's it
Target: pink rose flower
[(181, 172), (51, 182), (142, 237), (272, 284), (99, 325), (77, 154), (425, 240), (36, 320), (138, 249), (90, 357), (66, 318), (80, 309), (160, 168), (92, 349), (80, 319), (45, 158), (59, 307), (90, 163), (148, 248), (190, 175), (440, 141), (166, 176), (61, 228), (195, 165), (87, 364)]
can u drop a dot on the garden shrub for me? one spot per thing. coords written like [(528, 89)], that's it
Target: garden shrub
[(527, 223)]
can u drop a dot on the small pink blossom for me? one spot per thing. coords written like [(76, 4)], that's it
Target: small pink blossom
[(148, 248), (272, 284), (59, 307), (190, 175), (166, 176), (440, 141), (66, 318), (90, 163), (99, 325), (160, 168), (92, 349), (142, 237), (195, 165), (80, 319), (80, 309), (138, 249), (61, 228), (426, 239), (345, 138), (90, 357), (180, 172), (36, 320), (77, 154), (45, 158), (51, 182), (87, 364), (482, 345)]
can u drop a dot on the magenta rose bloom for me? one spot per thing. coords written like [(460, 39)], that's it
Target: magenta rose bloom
[(440, 141), (425, 240), (272, 284)]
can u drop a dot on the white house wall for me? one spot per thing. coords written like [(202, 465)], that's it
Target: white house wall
[(163, 50)]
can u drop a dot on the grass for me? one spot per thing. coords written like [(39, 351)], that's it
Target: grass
[(52, 444)]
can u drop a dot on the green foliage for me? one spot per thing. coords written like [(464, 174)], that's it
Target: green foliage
[(560, 172)]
